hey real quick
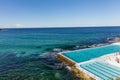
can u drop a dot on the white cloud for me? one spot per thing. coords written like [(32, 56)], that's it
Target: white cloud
[(13, 26), (19, 25)]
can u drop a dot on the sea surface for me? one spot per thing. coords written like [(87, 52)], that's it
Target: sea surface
[(21, 50)]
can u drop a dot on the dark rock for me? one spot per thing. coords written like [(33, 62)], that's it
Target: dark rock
[(113, 39), (48, 49), (23, 52), (38, 47)]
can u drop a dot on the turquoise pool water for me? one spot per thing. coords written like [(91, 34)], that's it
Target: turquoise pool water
[(102, 70), (90, 53)]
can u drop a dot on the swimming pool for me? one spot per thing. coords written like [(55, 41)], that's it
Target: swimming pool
[(102, 70), (90, 53)]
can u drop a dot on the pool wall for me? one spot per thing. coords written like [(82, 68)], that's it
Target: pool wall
[(77, 71), (66, 60)]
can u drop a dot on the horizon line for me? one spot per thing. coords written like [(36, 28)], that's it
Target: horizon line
[(57, 27)]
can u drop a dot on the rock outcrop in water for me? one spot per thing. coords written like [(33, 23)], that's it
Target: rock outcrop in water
[(113, 39)]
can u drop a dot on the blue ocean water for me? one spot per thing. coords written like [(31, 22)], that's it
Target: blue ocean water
[(20, 48), (37, 40)]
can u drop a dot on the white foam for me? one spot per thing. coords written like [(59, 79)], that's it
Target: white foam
[(116, 43)]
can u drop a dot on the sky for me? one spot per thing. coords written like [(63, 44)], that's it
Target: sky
[(59, 13)]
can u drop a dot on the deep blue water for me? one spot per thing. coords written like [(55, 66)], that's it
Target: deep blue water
[(19, 47), (28, 39)]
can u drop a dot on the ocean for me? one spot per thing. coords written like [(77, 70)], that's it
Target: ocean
[(21, 50)]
